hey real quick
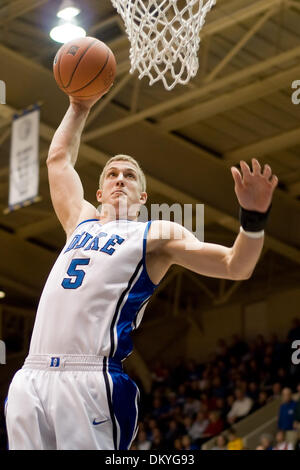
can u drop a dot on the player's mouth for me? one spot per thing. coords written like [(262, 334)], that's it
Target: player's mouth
[(118, 191)]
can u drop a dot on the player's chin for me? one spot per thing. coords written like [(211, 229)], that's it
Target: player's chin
[(119, 196)]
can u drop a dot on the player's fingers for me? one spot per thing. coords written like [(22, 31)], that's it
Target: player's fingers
[(274, 181), (236, 176), (256, 166), (245, 169), (267, 171)]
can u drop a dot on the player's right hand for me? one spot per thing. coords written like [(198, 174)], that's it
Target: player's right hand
[(86, 103)]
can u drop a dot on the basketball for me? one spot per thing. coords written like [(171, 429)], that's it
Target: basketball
[(84, 68)]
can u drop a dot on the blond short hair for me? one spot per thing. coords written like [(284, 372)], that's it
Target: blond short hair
[(125, 158)]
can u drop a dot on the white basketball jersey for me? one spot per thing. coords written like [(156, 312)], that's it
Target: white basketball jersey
[(96, 292)]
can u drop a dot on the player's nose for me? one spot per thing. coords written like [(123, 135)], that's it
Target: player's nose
[(120, 179)]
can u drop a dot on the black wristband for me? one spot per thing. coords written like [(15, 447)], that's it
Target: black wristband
[(253, 221)]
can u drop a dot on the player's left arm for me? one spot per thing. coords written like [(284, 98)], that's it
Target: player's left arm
[(254, 190)]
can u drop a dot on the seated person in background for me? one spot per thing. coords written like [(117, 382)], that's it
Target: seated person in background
[(265, 442), (234, 442), (286, 411), (281, 443), (187, 443), (240, 408), (296, 423), (297, 444), (198, 427), (221, 443), (215, 425), (276, 391), (261, 401), (142, 442)]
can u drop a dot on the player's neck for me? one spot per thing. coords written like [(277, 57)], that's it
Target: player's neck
[(108, 213)]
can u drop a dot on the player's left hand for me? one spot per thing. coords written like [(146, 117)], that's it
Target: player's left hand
[(254, 189)]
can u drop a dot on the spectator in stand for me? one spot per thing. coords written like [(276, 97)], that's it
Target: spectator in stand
[(152, 424), (181, 395), (253, 391), (172, 403), (204, 382), (198, 427), (218, 390), (142, 442), (268, 372), (173, 432), (222, 408), (234, 442), (262, 401), (158, 443), (207, 402), (265, 442), (159, 410), (240, 408), (178, 444), (253, 372), (221, 443), (294, 332), (286, 411), (187, 443), (283, 378), (215, 425), (191, 406), (276, 391), (160, 373), (192, 372), (187, 424), (296, 423), (281, 443), (297, 444)]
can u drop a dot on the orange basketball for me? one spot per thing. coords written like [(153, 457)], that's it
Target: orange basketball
[(84, 68)]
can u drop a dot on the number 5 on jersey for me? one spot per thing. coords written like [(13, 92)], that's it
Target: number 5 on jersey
[(79, 274)]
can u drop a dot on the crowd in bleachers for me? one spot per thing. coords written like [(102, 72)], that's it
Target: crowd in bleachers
[(190, 403)]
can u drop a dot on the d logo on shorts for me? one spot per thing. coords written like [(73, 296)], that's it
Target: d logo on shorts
[(54, 362)]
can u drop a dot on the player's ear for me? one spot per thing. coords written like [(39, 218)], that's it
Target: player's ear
[(143, 197), (99, 195)]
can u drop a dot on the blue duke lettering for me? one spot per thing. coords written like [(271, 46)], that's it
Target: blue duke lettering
[(96, 243)]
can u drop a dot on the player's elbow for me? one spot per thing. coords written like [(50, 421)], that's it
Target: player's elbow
[(56, 157), (240, 276)]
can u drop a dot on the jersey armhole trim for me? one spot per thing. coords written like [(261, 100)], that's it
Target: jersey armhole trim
[(144, 254), (88, 220)]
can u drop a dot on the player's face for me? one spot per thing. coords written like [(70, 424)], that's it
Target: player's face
[(121, 186)]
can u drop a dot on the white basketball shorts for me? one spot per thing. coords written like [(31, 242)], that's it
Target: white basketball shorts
[(71, 403)]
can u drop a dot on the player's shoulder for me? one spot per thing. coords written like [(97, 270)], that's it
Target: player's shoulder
[(161, 232), (88, 211), (166, 230)]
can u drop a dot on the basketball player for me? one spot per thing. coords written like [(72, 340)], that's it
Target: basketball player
[(72, 392)]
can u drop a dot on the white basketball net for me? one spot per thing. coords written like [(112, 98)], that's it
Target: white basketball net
[(164, 37)]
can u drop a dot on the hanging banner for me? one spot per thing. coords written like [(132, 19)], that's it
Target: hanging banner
[(24, 159)]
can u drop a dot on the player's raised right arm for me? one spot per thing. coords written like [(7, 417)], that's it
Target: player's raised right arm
[(65, 186)]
